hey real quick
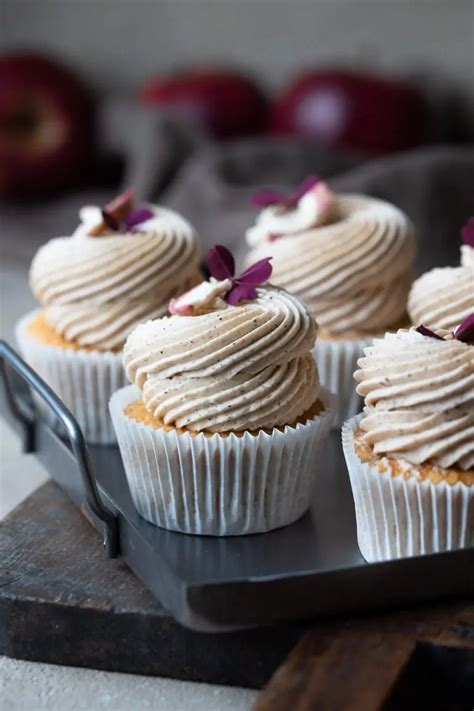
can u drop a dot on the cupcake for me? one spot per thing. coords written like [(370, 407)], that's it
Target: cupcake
[(443, 297), (120, 267), (410, 454), (220, 431), (349, 258)]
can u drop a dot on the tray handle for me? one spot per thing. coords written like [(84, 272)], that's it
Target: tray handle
[(75, 435)]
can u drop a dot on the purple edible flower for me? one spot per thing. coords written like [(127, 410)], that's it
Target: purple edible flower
[(221, 265), (120, 215), (465, 331), (428, 332), (266, 197), (258, 273), (137, 216), (467, 232), (110, 220), (241, 292)]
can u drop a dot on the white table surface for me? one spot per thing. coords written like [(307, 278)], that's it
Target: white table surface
[(32, 686)]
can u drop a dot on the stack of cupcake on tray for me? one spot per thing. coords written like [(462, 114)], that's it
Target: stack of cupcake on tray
[(228, 406), (350, 259), (410, 455), (230, 399), (120, 267)]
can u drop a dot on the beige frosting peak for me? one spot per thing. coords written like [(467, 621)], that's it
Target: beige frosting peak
[(419, 398), (313, 209), (95, 290), (444, 297), (354, 272), (240, 367)]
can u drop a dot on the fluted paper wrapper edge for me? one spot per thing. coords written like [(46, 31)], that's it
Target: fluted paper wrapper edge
[(399, 517), (83, 380), (219, 485)]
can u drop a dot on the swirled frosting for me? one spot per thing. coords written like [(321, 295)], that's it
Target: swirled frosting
[(354, 272), (94, 290), (235, 368), (442, 298), (419, 398)]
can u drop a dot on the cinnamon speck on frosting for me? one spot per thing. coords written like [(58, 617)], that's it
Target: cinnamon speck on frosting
[(352, 265), (95, 291), (236, 368), (419, 398)]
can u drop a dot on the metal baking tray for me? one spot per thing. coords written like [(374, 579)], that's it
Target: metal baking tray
[(312, 568)]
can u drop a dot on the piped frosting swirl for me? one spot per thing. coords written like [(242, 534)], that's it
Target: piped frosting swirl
[(419, 399), (95, 290), (235, 368), (443, 297), (354, 272)]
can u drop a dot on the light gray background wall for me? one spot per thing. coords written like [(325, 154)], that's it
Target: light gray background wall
[(116, 43)]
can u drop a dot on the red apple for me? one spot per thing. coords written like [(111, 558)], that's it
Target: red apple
[(221, 101), (352, 110), (46, 126)]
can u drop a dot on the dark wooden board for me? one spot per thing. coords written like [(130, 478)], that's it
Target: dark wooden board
[(418, 659), (63, 601)]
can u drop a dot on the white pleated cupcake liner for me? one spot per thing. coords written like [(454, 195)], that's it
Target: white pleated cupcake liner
[(399, 517), (219, 485), (337, 361), (83, 380)]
